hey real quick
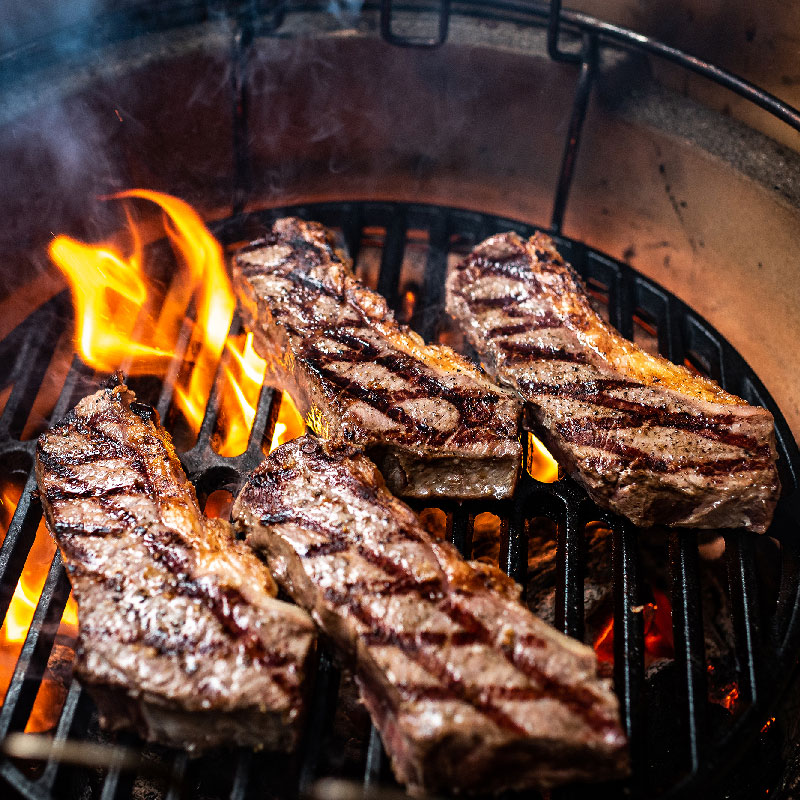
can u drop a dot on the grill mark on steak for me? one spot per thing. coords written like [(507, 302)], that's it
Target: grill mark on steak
[(164, 644), (542, 352), (460, 633), (669, 439), (169, 548), (636, 456), (158, 586), (422, 407), (413, 647), (634, 414), (474, 408)]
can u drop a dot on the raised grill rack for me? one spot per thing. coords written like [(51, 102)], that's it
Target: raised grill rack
[(766, 638)]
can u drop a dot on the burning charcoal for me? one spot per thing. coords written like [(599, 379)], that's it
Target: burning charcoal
[(487, 538), (540, 590), (434, 520)]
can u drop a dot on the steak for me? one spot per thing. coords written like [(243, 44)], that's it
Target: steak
[(180, 636), (435, 425), (646, 438), (470, 691)]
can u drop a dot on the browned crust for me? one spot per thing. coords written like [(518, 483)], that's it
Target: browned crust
[(350, 553), (168, 601), (645, 437), (334, 346)]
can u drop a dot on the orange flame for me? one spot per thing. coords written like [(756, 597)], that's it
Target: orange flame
[(290, 424), (21, 610), (125, 318), (541, 465), (244, 374), (9, 497)]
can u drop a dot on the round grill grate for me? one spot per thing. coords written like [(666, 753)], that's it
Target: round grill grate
[(690, 711)]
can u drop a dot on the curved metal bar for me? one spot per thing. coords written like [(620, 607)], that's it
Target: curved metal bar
[(553, 31), (638, 41), (580, 103)]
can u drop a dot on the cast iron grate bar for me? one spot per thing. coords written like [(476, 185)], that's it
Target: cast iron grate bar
[(428, 313), (628, 639), (739, 551), (687, 623), (62, 730), (377, 761), (75, 696), (241, 775), (17, 544), (570, 562), (31, 361), (392, 258)]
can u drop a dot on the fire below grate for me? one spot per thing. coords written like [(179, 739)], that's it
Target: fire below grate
[(701, 646)]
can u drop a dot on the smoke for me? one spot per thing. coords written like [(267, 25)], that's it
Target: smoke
[(24, 22), (346, 11), (332, 111)]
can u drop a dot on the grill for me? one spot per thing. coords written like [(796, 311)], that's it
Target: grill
[(684, 741)]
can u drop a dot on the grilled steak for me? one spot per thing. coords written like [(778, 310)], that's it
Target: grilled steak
[(180, 637), (470, 691), (433, 423), (646, 438)]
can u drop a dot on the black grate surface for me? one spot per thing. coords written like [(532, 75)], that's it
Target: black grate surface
[(682, 736)]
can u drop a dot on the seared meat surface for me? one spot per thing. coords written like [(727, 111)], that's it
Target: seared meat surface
[(646, 438), (433, 423), (180, 636), (470, 691)]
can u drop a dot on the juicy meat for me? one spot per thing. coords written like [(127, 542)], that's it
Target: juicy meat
[(470, 691), (180, 636), (433, 423), (646, 438)]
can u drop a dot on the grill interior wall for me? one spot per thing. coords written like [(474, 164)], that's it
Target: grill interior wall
[(690, 199), (480, 122)]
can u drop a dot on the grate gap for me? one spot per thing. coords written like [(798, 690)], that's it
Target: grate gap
[(32, 660)]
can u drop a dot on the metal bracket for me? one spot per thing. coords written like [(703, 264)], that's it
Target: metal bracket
[(588, 59), (414, 41), (553, 33)]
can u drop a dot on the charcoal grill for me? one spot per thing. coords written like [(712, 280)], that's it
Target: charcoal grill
[(682, 744)]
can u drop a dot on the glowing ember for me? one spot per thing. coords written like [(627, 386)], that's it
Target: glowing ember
[(409, 303), (730, 697), (604, 643), (126, 318), (541, 465), (219, 504), (658, 638)]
